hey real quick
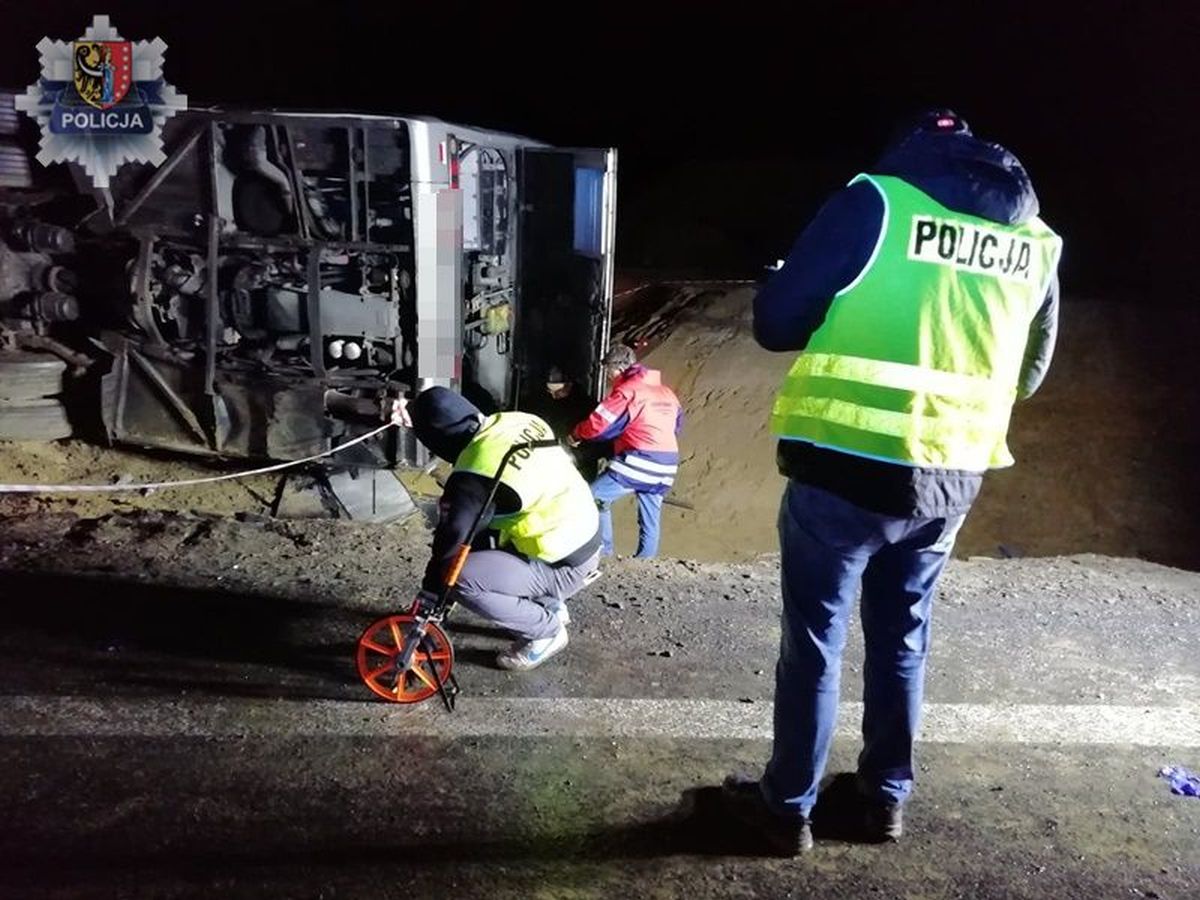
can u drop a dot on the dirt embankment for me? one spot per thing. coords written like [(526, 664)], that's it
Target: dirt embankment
[(1106, 451)]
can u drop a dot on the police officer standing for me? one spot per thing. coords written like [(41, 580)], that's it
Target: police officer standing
[(924, 297)]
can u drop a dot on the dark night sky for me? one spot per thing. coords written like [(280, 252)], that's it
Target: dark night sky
[(734, 125)]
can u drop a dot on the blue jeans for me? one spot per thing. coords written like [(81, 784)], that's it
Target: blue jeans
[(828, 547), (606, 489)]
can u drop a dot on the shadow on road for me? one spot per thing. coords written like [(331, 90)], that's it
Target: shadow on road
[(695, 827), (65, 634)]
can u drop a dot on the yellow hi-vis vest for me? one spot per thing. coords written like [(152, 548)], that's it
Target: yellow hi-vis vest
[(558, 514), (918, 359)]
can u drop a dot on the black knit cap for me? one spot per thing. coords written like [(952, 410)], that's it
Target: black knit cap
[(444, 421)]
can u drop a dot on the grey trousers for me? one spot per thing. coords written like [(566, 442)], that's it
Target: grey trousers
[(520, 595)]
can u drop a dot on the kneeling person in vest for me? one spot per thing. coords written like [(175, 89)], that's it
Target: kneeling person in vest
[(543, 517)]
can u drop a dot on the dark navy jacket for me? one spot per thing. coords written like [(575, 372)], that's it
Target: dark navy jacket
[(960, 172)]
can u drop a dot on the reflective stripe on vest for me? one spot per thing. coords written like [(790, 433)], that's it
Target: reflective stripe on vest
[(558, 514), (918, 358)]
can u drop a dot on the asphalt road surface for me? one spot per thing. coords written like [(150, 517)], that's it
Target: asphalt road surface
[(180, 717)]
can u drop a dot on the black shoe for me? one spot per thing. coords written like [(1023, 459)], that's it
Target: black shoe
[(884, 822), (783, 836)]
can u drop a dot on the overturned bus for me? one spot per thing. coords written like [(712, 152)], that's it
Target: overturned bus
[(265, 290)]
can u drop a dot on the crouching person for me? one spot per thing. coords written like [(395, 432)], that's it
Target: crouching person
[(543, 518)]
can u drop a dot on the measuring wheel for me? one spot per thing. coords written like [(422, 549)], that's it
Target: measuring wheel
[(379, 651)]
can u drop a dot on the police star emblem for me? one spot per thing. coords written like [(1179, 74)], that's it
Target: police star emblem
[(101, 101)]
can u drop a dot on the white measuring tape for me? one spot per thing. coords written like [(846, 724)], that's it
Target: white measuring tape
[(158, 485)]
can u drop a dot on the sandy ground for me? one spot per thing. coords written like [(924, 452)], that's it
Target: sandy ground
[(1106, 451), (75, 462)]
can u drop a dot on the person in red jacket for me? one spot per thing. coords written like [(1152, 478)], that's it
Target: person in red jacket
[(642, 416)]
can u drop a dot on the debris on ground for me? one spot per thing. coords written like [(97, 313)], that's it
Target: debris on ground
[(1182, 781)]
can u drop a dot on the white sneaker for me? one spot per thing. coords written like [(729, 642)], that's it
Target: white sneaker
[(561, 611), (525, 655)]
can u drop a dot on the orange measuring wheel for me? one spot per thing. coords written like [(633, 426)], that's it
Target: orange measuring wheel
[(379, 650)]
